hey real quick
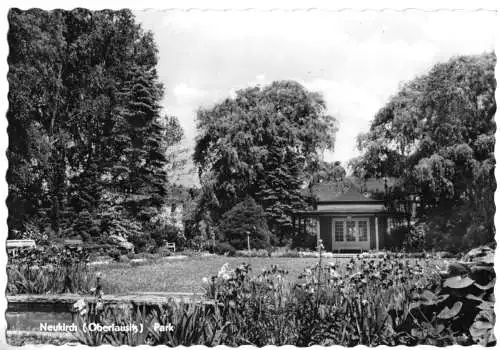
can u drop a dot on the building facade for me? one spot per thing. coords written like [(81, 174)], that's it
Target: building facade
[(349, 215)]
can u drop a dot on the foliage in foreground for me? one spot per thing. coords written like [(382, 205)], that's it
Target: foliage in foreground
[(370, 301), (49, 270)]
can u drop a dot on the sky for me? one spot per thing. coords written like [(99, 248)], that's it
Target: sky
[(357, 60)]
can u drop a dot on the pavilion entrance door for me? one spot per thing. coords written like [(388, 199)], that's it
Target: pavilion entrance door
[(351, 233)]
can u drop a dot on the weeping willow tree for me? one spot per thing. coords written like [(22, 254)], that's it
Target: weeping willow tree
[(263, 144), (437, 134)]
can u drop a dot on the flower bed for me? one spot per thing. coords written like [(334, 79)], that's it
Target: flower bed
[(366, 301), (50, 270)]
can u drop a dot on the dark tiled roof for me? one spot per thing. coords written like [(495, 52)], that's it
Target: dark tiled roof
[(351, 190)]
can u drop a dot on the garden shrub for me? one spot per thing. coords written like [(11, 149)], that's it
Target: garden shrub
[(101, 248), (396, 238), (115, 254), (162, 233), (246, 217), (304, 241), (199, 243), (477, 235), (168, 233), (164, 251), (133, 231), (141, 241), (414, 240), (123, 259), (282, 252), (224, 248), (32, 231), (253, 253), (456, 233)]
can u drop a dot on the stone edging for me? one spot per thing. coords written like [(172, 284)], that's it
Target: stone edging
[(138, 299)]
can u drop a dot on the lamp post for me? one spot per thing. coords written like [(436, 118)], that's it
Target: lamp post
[(213, 241)]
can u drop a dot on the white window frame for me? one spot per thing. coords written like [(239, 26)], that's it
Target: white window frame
[(344, 225), (355, 219)]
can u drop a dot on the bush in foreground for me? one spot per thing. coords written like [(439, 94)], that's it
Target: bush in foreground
[(49, 270)]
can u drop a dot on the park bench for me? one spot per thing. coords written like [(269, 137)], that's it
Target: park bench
[(15, 245), (169, 245)]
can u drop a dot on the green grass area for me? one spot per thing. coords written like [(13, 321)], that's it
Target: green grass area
[(186, 275)]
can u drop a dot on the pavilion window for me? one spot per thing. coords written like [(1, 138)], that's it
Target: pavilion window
[(351, 231), (363, 231), (339, 231)]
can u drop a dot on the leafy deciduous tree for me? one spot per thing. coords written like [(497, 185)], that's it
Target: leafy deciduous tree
[(84, 119), (437, 135), (263, 143)]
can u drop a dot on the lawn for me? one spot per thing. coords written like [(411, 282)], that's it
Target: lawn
[(186, 275)]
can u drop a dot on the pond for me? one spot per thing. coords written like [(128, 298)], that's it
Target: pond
[(29, 316)]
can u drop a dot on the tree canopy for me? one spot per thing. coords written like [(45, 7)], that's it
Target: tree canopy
[(437, 134), (263, 143), (87, 141)]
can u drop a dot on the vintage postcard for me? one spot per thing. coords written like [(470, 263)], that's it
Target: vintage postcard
[(250, 177)]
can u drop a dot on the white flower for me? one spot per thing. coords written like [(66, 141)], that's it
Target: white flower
[(204, 280), (99, 306), (79, 305), (320, 244), (223, 270)]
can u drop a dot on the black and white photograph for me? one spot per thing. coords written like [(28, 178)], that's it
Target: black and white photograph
[(211, 177)]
